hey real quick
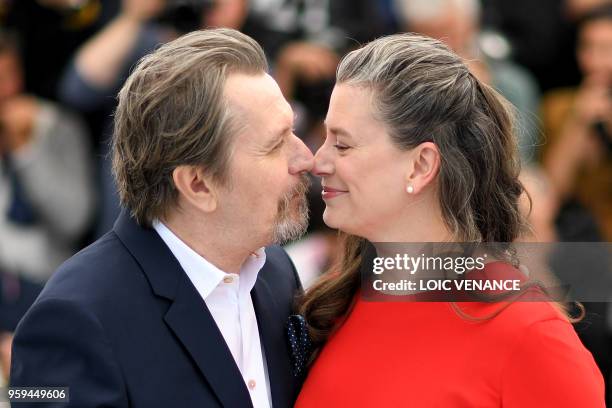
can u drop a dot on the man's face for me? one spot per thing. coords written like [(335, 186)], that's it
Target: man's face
[(266, 192)]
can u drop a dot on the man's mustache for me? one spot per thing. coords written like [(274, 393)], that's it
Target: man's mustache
[(302, 187), (299, 190)]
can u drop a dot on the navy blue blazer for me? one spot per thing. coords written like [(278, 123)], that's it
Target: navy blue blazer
[(121, 324)]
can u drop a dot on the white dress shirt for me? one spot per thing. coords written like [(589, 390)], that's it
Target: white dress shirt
[(228, 297)]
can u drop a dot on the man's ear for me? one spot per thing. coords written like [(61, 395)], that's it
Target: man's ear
[(424, 166), (195, 187)]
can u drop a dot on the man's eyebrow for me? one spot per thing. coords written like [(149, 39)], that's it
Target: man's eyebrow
[(284, 131), (278, 136), (288, 127)]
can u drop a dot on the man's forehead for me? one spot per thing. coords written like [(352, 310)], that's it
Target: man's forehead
[(244, 89), (256, 100)]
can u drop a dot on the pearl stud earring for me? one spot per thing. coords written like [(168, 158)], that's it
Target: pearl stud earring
[(410, 189)]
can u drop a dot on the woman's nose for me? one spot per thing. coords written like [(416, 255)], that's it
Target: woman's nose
[(323, 161)]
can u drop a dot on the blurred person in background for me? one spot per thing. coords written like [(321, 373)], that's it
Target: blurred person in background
[(47, 195), (540, 35), (577, 154), (101, 65), (541, 209), (457, 22), (49, 31), (577, 158), (336, 24)]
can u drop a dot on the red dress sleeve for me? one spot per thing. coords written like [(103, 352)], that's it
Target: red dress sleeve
[(551, 368)]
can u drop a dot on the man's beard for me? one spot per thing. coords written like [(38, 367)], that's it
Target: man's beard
[(292, 223)]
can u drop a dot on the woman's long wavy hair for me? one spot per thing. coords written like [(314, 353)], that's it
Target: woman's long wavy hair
[(425, 92)]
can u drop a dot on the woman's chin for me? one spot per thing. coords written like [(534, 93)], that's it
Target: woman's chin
[(336, 222), (330, 219)]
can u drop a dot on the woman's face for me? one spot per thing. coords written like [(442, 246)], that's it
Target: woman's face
[(364, 176)]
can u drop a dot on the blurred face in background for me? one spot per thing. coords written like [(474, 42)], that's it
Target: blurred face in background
[(453, 26), (595, 51), (11, 78), (225, 13), (455, 22)]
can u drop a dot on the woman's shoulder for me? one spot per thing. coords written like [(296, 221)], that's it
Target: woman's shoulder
[(549, 356), (540, 350)]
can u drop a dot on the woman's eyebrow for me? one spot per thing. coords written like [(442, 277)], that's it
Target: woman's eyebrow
[(338, 131)]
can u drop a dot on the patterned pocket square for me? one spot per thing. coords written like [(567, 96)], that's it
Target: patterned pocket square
[(299, 343)]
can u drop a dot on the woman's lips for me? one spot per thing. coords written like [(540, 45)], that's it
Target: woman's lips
[(330, 192)]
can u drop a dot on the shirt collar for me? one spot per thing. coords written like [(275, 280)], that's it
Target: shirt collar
[(204, 275)]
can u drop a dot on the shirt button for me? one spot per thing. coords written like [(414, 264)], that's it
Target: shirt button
[(252, 384), (228, 279)]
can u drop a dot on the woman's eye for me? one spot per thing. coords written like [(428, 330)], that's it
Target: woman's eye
[(341, 147)]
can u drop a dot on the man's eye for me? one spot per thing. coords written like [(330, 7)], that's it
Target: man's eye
[(341, 147), (278, 145)]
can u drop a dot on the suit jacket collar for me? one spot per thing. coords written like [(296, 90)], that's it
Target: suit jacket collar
[(159, 265)]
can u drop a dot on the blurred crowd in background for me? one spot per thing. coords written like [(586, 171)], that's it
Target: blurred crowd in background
[(63, 61)]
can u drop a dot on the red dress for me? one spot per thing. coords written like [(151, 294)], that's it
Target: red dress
[(424, 354)]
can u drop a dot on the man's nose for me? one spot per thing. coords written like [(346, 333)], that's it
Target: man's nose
[(302, 159)]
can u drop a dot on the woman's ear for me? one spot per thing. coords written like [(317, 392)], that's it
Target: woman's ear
[(424, 166), (195, 188)]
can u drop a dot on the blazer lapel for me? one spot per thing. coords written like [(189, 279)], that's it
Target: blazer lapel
[(272, 335), (191, 321), (188, 317)]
